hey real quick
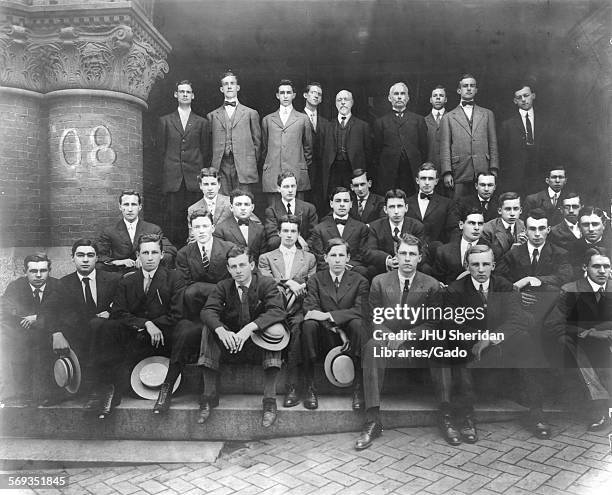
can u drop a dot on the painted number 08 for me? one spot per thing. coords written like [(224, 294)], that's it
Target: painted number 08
[(100, 152)]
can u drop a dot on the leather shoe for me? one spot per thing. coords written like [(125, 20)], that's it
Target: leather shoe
[(358, 400), (269, 413), (449, 431), (206, 406), (108, 402), (599, 424), (311, 401), (371, 430), (163, 400), (541, 430), (468, 429), (291, 397)]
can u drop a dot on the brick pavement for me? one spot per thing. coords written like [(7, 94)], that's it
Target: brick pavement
[(507, 460)]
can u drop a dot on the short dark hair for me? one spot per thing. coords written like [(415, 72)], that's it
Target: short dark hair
[(241, 192), (550, 168), (285, 82), (285, 175), (183, 82), (518, 85), (208, 172), (439, 86), (591, 210), (487, 173), (467, 75), (536, 214), (570, 195), (594, 251), (150, 238), (35, 258), (199, 213), (410, 240), (227, 73), (507, 196), (289, 219), (427, 166), (466, 211), (338, 190), (313, 83), (130, 192), (84, 242), (337, 241), (395, 194), (238, 250), (358, 172)]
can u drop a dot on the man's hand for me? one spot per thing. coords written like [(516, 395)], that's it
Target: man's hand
[(242, 336), (448, 181), (227, 338), (128, 263), (157, 337), (527, 281), (346, 343), (315, 314), (104, 314), (27, 321), (479, 347), (522, 237), (297, 288), (392, 263), (60, 344), (528, 298)]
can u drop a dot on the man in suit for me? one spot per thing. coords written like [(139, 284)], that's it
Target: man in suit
[(238, 307), (404, 286), (287, 140), (287, 204), (449, 258), (145, 319), (506, 230), (340, 224), (345, 145), (291, 268), (236, 139), (432, 120), (484, 197), (212, 201), (550, 199), (524, 145), (592, 222), (367, 206), (202, 263), (468, 141), (118, 243), (183, 142), (400, 143), (582, 322), (384, 232), (240, 229), (567, 231), (25, 326), (437, 213), (336, 305)]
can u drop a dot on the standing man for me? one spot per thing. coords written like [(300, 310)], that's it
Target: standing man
[(183, 142), (438, 101), (345, 145), (287, 141), (367, 206), (468, 141), (236, 139), (551, 198), (400, 143), (568, 230)]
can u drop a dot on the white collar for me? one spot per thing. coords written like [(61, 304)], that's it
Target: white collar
[(531, 247), (506, 224), (595, 286), (150, 274), (477, 284), (41, 289), (245, 285), (401, 224), (310, 112), (282, 110), (441, 111), (133, 224), (285, 250), (207, 246), (334, 276), (526, 112), (403, 279), (91, 276), (551, 193), (346, 119)]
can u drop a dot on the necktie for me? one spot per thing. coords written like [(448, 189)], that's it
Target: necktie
[(534, 261), (340, 221), (437, 117), (312, 119), (337, 283), (360, 206), (396, 232), (36, 296), (147, 283), (529, 135), (205, 260), (483, 294), (484, 205), (405, 292), (467, 103), (229, 103), (243, 222), (399, 114), (131, 232), (343, 121), (289, 209), (89, 300), (510, 235), (554, 199), (599, 294), (426, 196), (245, 315)]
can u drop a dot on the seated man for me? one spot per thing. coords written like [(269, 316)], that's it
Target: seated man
[(484, 197), (240, 228), (202, 263), (384, 232), (403, 286), (118, 243), (26, 306), (340, 225), (336, 306), (287, 204), (449, 258), (592, 222), (367, 206), (290, 267), (506, 230), (567, 231), (550, 199), (237, 308), (582, 322), (145, 319)]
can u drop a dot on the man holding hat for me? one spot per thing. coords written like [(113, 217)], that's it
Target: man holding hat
[(243, 322)]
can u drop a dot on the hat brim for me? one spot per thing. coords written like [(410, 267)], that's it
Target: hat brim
[(142, 390), (271, 346), (329, 360), (75, 383)]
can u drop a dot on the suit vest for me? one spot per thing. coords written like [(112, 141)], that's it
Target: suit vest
[(228, 132)]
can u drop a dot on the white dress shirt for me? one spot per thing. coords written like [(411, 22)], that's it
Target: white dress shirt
[(312, 116), (184, 116), (288, 257), (574, 229), (530, 113), (284, 113), (230, 109), (131, 228), (92, 285)]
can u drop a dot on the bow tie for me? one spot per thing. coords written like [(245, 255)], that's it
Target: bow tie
[(467, 103), (243, 222), (340, 221), (229, 103), (426, 196)]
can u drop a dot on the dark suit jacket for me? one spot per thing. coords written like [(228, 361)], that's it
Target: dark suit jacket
[(18, 301), (553, 268), (114, 244), (162, 304), (222, 208), (372, 210), (440, 219), (272, 265), (578, 247), (355, 234), (189, 262), (223, 305), (433, 141), (465, 150), (306, 212), (184, 152), (228, 230), (246, 140), (542, 200), (472, 201), (380, 242), (495, 236), (358, 146), (348, 303), (561, 235), (394, 136), (448, 263)]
